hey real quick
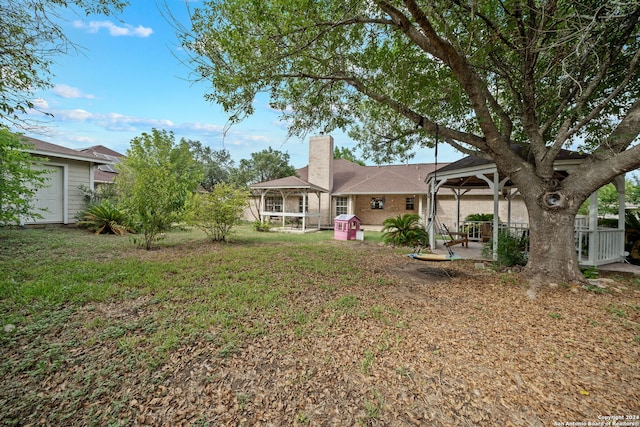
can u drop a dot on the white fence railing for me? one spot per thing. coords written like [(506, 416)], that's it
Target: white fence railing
[(482, 231), (606, 248)]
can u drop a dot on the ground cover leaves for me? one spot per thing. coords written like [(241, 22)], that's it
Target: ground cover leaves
[(297, 336)]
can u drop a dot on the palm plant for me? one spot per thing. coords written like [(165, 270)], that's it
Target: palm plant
[(105, 217), (404, 230)]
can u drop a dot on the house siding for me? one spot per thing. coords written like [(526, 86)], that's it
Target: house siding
[(79, 173), (394, 205), (482, 204), (74, 173)]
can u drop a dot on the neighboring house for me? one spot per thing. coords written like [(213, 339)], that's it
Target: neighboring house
[(104, 174), (68, 169), (329, 187)]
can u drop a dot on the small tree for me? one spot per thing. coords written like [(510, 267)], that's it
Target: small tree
[(217, 212), (155, 181), (18, 180)]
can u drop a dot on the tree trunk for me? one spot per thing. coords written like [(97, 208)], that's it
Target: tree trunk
[(552, 251)]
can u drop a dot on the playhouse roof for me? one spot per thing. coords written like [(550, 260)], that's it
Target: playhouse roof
[(346, 217)]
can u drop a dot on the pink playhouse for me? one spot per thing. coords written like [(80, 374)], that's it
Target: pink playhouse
[(346, 227)]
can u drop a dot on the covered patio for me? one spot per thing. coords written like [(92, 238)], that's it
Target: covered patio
[(595, 245)]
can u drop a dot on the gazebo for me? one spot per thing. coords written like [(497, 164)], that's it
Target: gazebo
[(298, 217), (472, 173)]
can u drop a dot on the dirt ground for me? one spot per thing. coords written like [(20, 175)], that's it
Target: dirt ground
[(450, 345), (447, 344)]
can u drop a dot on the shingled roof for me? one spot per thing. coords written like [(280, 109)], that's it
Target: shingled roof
[(290, 182), (46, 149), (351, 178), (474, 161), (104, 173)]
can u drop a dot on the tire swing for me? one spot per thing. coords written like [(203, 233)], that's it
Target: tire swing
[(450, 256)]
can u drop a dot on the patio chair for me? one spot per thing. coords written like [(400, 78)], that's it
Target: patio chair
[(455, 238)]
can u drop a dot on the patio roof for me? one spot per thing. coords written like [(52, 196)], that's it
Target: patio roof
[(288, 183), (466, 173)]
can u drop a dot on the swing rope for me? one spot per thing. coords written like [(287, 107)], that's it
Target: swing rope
[(434, 209)]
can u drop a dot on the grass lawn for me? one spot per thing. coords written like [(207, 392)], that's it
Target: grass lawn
[(284, 329)]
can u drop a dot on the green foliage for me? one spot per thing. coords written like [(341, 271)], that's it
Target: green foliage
[(347, 154), (590, 272), (156, 178), (262, 226), (405, 230), (30, 39), (608, 198), (479, 217), (104, 218), (18, 180), (217, 164), (511, 249), (102, 192), (265, 165), (218, 211)]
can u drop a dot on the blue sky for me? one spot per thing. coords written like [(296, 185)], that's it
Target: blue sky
[(128, 79)]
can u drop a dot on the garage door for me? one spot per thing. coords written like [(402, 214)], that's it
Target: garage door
[(51, 197)]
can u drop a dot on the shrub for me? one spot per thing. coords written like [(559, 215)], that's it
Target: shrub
[(217, 212), (404, 230), (105, 218), (262, 226), (479, 217), (511, 249)]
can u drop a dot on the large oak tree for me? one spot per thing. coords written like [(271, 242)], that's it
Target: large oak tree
[(485, 74)]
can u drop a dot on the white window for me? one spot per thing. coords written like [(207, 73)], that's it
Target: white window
[(306, 206), (341, 206), (273, 204)]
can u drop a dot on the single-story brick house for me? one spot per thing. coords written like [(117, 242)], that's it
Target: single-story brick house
[(68, 169), (329, 187)]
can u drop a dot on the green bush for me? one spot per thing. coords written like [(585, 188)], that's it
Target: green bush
[(105, 218), (405, 230), (261, 226), (511, 249), (479, 217), (218, 211)]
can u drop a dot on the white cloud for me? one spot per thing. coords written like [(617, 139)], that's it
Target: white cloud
[(120, 122), (82, 139), (66, 91), (40, 104), (115, 30), (73, 115), (259, 138), (201, 127)]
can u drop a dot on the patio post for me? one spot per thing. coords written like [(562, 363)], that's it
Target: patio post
[(593, 228), (496, 224)]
